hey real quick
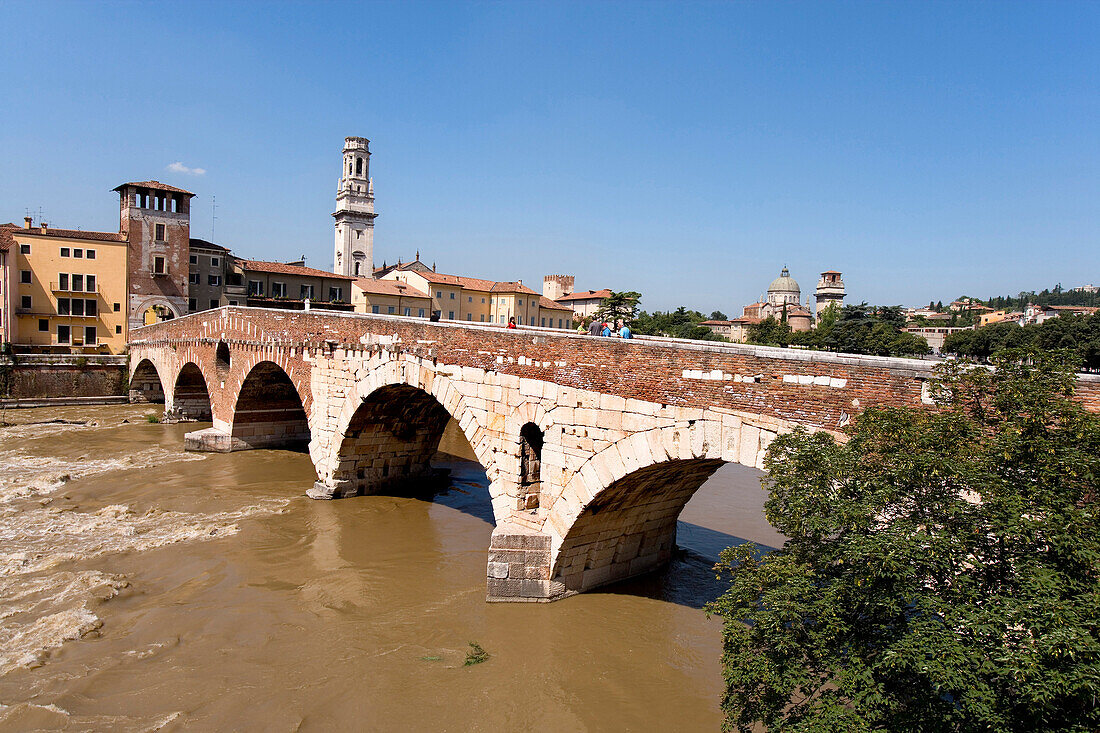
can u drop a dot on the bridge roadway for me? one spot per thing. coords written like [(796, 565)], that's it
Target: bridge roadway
[(592, 446)]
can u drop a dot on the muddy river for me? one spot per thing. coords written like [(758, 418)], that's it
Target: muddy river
[(145, 588)]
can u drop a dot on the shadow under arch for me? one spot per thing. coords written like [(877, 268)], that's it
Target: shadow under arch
[(190, 397), (390, 442), (269, 411), (629, 528), (146, 385)]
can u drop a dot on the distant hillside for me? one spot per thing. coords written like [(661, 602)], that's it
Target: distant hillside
[(1056, 296)]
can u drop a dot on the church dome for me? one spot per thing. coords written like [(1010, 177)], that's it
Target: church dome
[(784, 284)]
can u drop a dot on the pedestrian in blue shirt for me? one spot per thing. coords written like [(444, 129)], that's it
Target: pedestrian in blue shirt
[(624, 332)]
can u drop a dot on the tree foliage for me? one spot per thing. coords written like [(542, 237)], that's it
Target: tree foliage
[(855, 329), (1055, 296), (680, 323), (619, 306), (1080, 334), (942, 572)]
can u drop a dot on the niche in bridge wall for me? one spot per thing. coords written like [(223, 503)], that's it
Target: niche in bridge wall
[(221, 360), (390, 441), (269, 412), (145, 385), (191, 399), (530, 464)]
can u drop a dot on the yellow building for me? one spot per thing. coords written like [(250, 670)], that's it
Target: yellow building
[(389, 297), (289, 285), (69, 289), (472, 299)]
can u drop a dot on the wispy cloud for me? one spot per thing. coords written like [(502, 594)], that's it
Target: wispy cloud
[(179, 167)]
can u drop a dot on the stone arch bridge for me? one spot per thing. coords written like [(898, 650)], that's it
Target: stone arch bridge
[(592, 446)]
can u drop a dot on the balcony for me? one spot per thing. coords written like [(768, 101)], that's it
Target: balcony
[(162, 272), (57, 288)]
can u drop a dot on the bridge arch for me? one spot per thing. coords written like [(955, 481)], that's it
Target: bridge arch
[(421, 396), (270, 410), (616, 518), (145, 383), (190, 394)]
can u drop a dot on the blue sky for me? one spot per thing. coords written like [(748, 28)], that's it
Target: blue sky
[(687, 151)]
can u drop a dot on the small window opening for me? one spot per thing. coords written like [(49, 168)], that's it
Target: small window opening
[(221, 360), (530, 464)]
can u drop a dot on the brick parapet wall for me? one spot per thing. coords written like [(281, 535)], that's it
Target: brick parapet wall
[(812, 388)]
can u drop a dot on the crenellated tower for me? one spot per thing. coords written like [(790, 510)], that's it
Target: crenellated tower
[(830, 289), (354, 215)]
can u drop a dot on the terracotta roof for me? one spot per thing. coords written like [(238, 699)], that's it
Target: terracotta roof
[(512, 287), (798, 312), (5, 236), (747, 319), (389, 287), (715, 323), (469, 283), (207, 245), (587, 295), (1081, 308), (545, 302), (72, 234), (281, 268), (830, 272), (152, 184)]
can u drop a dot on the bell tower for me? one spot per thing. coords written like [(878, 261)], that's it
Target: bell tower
[(354, 215)]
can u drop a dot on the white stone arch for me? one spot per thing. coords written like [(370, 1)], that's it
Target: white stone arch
[(159, 366), (414, 372), (141, 304), (730, 438)]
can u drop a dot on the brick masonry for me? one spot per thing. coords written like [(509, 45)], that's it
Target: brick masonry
[(631, 428)]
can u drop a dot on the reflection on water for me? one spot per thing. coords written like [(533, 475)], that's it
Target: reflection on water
[(143, 588)]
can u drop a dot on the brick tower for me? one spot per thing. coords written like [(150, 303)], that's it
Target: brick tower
[(156, 219)]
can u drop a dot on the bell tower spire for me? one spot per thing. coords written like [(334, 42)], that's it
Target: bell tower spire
[(354, 215)]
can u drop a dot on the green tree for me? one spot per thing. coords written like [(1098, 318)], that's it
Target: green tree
[(770, 332), (718, 316), (680, 323), (619, 306), (942, 571)]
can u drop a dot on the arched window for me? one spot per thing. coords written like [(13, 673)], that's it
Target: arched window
[(358, 166), (357, 269)]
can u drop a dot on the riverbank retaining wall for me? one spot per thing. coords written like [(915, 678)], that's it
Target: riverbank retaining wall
[(26, 376)]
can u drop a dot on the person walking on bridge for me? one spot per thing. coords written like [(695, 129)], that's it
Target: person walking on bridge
[(511, 322), (595, 328), (624, 331)]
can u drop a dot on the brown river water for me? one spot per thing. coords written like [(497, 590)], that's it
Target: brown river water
[(146, 588)]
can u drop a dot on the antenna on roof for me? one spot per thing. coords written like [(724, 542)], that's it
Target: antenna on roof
[(213, 215)]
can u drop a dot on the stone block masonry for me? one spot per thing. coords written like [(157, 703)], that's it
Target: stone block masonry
[(630, 428), (27, 376)]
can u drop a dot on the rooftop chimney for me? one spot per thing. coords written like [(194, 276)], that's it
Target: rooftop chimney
[(44, 226), (26, 222)]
